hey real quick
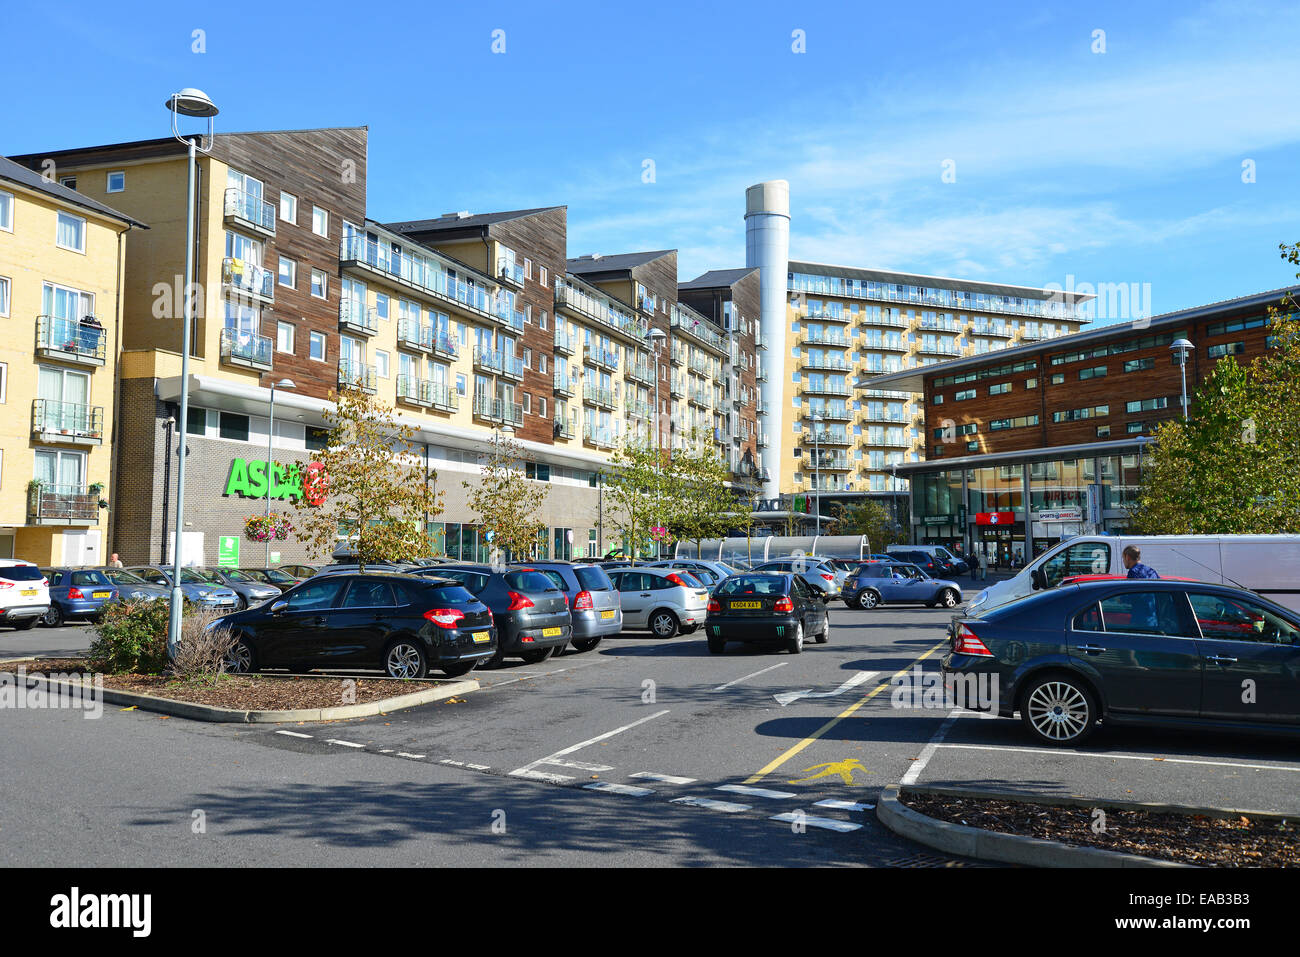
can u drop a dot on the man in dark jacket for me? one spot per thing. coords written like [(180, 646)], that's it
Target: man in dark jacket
[(1133, 562)]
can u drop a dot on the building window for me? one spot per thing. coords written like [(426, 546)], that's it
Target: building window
[(196, 421), (4, 382), (1074, 415), (528, 358), (381, 305), (1138, 365), (6, 211), (4, 296), (528, 404), (1096, 372), (318, 346), (71, 233), (316, 439), (319, 284), (288, 273), (1226, 349), (284, 337), (537, 471), (381, 364), (964, 394), (1002, 388), (320, 222), (233, 426), (1147, 405), (541, 278), (289, 208), (1058, 378), (1136, 427), (541, 318), (541, 402), (541, 362), (69, 182), (116, 182), (528, 268), (460, 385), (937, 400), (1103, 431), (1031, 383)]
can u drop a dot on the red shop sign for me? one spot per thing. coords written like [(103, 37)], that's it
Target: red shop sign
[(995, 518)]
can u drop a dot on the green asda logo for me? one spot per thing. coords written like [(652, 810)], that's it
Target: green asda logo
[(248, 479)]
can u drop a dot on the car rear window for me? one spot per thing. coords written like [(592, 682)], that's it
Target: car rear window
[(21, 573), (528, 581), (593, 578), (753, 585), (89, 578), (446, 595), (556, 578)]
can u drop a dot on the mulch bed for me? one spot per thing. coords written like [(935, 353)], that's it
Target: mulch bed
[(239, 692), (1186, 838)]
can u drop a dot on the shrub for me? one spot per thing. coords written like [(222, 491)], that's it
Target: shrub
[(201, 651), (131, 638)]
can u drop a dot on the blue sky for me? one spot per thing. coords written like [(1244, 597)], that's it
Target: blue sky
[(1122, 166)]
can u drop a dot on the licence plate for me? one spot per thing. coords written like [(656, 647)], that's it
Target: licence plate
[(746, 604), (29, 591), (100, 594), (551, 632), (481, 636), (606, 614)]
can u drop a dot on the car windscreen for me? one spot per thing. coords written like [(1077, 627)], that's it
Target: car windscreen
[(528, 581), (121, 577), (593, 578), (753, 585), (22, 573)]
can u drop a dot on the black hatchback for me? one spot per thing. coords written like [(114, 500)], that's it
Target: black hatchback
[(532, 614), (400, 624), (768, 608)]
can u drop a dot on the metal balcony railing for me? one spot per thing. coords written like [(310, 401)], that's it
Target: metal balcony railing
[(54, 421), (247, 349), (356, 375), (565, 385), (245, 209), (249, 279), (70, 340), (598, 396), (354, 316), (62, 505), (498, 410)]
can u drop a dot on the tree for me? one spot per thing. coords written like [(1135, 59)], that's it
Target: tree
[(368, 481), (638, 486), (1234, 466), (506, 502), (868, 517), (702, 505)]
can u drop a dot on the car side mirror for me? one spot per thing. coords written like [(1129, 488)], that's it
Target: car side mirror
[(1038, 579), (278, 607)]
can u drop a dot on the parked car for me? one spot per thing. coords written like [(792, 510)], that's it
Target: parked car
[(196, 588), (767, 608), (76, 593), (665, 601), (349, 568), (532, 614), (709, 573), (1140, 651), (823, 579), (404, 625), (897, 583), (250, 591), (933, 559), (131, 587), (593, 601), (273, 576), (300, 572), (24, 594)]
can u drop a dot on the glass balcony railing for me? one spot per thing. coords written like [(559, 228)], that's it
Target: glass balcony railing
[(564, 342), (243, 348), (243, 208), (815, 285), (412, 389), (356, 375), (443, 396), (564, 429), (595, 395), (54, 421), (70, 339), (824, 461), (693, 324), (603, 437), (442, 343), (815, 337), (498, 411), (815, 437), (354, 316), (605, 358), (601, 309), (248, 279), (826, 362), (565, 385), (643, 373), (510, 270), (501, 363)]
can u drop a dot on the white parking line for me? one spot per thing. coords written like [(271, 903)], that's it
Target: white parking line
[(918, 764), (346, 744), (661, 778), (613, 788), (748, 676), (811, 820), (407, 754), (542, 776), (725, 806), (579, 765), (1126, 757), (787, 697), (756, 792), (293, 734), (527, 770), (837, 805)]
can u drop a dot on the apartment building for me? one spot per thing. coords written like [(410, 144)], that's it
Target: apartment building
[(1044, 439), (61, 273)]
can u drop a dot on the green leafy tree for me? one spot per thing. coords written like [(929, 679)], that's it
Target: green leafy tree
[(639, 486), (866, 516), (372, 485), (506, 502), (702, 505)]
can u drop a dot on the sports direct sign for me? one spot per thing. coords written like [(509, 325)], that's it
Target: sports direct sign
[(995, 518)]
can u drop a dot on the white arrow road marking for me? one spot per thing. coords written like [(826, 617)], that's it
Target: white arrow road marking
[(712, 805), (837, 805), (527, 770), (786, 697), (578, 765), (827, 823), (756, 792), (748, 676), (346, 744), (613, 788), (661, 778), (294, 734)]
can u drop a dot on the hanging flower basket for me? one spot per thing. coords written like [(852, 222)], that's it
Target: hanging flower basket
[(260, 528)]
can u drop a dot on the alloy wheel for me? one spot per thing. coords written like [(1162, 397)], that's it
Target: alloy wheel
[(403, 661), (1059, 711), (240, 659)]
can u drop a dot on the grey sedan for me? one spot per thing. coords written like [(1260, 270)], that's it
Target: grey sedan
[(251, 592), (131, 587), (822, 577), (196, 588)]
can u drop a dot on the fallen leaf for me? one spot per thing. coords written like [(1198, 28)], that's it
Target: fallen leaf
[(132, 708)]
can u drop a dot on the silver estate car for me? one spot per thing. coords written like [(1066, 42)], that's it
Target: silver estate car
[(823, 577), (660, 600)]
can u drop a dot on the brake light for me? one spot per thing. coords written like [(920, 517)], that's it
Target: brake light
[(829, 578), (783, 604), (518, 601), (676, 579), (6, 584), (714, 605), (74, 594), (444, 617), (968, 643), (582, 601)]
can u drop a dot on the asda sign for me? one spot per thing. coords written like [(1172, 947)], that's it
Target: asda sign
[(249, 478)]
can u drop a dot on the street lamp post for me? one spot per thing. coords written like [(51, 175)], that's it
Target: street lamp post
[(188, 102), (1180, 348), (817, 466), (270, 460), (656, 336)]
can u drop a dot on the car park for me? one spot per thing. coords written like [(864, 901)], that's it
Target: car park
[(593, 601), (24, 594), (196, 588), (131, 587), (822, 578), (250, 591), (404, 625), (1135, 652), (897, 583), (531, 613), (766, 608), (664, 601), (709, 573), (273, 576), (77, 593)]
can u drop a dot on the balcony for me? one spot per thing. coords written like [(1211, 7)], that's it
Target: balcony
[(601, 438), (762, 440), (497, 411), (833, 339), (934, 349), (897, 418), (500, 363), (511, 272), (62, 505), (827, 388), (246, 349), (702, 365), (760, 340), (825, 316), (412, 335), (701, 397), (816, 437), (830, 364), (694, 325), (827, 463), (67, 422), (565, 343), (644, 374), (828, 483), (412, 390), (246, 211), (760, 374), (602, 358), (245, 279), (636, 409), (564, 429), (601, 398), (600, 309), (834, 413), (677, 385), (356, 375), (565, 385), (70, 341), (355, 317), (443, 397)]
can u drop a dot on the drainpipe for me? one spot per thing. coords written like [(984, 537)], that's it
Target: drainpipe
[(117, 393)]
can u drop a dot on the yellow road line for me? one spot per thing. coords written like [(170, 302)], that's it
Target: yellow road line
[(755, 778)]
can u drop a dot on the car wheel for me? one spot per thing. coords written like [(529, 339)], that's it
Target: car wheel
[(458, 669), (1059, 710), (537, 655), (241, 659), (868, 599), (496, 661), (53, 618), (585, 644), (825, 636), (241, 603), (663, 623), (853, 602), (405, 659), (795, 644), (717, 646), (25, 624), (949, 598)]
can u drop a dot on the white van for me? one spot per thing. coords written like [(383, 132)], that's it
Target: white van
[(1268, 565)]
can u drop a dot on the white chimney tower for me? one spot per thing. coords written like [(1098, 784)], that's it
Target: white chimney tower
[(767, 246)]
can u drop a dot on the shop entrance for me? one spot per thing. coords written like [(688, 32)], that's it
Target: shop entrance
[(1003, 547)]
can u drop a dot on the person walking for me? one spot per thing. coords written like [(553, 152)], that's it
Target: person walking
[(114, 561), (1132, 558)]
